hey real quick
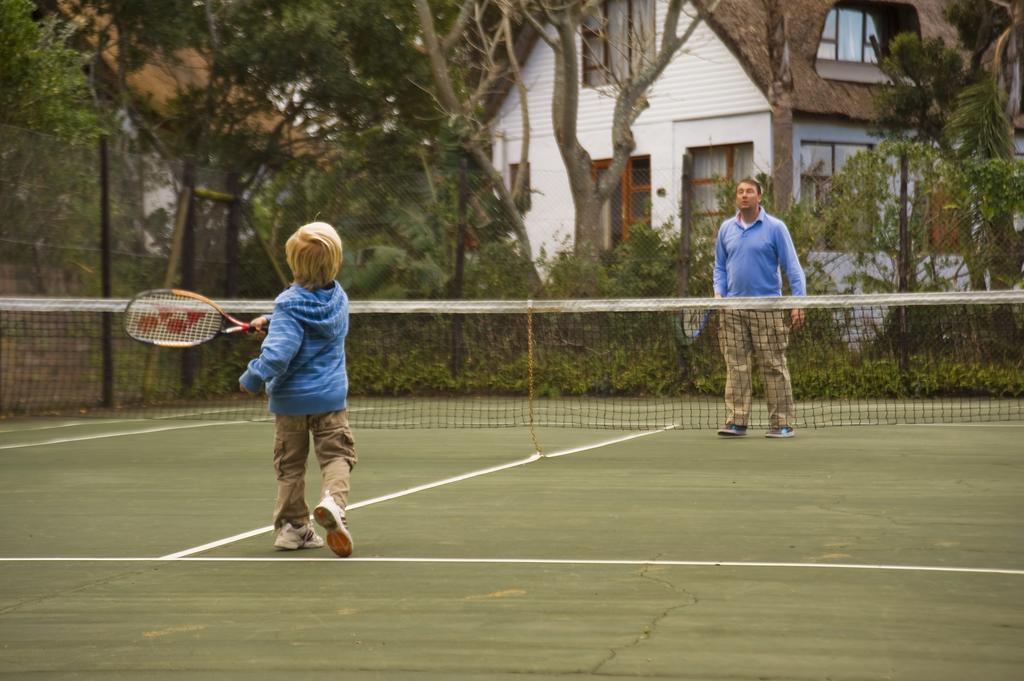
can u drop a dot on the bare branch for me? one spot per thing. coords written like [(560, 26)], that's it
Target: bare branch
[(450, 40), (524, 109), (438, 62)]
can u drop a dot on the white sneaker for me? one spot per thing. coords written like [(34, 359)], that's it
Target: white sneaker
[(331, 517), (290, 538)]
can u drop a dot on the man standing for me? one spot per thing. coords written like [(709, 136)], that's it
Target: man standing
[(751, 247)]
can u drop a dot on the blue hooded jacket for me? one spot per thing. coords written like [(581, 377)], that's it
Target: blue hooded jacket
[(302, 359)]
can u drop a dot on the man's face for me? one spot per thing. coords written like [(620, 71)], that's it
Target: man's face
[(747, 197)]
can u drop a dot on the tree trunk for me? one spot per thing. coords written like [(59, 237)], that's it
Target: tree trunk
[(782, 155), (588, 225), (1010, 73), (780, 98)]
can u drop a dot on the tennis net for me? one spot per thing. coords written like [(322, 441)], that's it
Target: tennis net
[(627, 364)]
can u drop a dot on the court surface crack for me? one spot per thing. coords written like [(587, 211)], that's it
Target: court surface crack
[(648, 631), (14, 607)]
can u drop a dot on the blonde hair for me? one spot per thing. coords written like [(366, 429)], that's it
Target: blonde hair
[(314, 255)]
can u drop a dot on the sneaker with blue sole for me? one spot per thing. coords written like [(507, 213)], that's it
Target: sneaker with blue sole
[(732, 430), (781, 431)]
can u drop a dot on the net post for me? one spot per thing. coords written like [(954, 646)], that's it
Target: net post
[(105, 274), (530, 405)]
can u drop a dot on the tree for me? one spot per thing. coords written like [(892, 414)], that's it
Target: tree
[(1009, 57), (486, 34), (987, 184), (996, 25), (42, 85), (257, 88), (926, 77), (630, 88), (258, 84), (964, 111), (780, 98), (478, 52), (977, 24)]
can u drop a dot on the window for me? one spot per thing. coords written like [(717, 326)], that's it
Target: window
[(714, 166), (630, 203), (618, 39), (819, 162), (852, 33)]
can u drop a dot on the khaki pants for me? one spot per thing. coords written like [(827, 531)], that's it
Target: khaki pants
[(743, 334), (335, 451)]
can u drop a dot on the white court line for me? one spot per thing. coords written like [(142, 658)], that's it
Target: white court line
[(122, 433), (420, 488), (70, 424), (541, 561), (962, 425)]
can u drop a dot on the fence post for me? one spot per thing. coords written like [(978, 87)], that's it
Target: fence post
[(105, 274), (460, 264), (904, 262), (685, 224)]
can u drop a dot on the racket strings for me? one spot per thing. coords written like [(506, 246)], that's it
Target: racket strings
[(169, 319)]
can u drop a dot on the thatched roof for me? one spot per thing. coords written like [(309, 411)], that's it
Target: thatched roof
[(742, 25)]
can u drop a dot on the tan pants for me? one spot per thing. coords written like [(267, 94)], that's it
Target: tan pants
[(335, 450), (743, 334)]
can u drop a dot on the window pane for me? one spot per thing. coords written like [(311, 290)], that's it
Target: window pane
[(871, 31), (743, 161), (708, 163), (827, 51), (812, 189), (705, 198), (594, 49), (640, 171), (845, 151), (618, 38), (639, 206), (642, 36), (851, 32), (593, 60), (816, 159), (830, 26)]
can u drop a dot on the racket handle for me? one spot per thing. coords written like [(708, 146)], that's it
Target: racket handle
[(252, 330)]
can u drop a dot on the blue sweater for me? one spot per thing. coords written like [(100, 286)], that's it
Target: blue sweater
[(302, 359), (747, 260)]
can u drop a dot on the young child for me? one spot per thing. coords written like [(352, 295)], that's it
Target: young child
[(302, 366)]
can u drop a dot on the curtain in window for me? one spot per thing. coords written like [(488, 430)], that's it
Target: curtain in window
[(618, 39), (851, 32), (743, 161), (594, 37), (643, 33)]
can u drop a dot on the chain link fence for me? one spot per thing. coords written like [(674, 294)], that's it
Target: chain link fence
[(70, 214)]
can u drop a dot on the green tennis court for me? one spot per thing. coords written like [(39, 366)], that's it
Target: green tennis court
[(141, 549)]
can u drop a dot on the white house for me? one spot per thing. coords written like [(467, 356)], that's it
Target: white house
[(710, 102)]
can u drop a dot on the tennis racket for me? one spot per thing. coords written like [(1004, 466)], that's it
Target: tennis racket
[(173, 318), (690, 323)]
